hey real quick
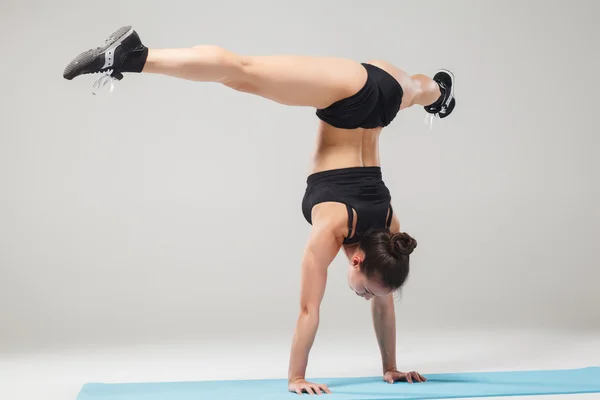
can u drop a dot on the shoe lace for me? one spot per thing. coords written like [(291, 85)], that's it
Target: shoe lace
[(430, 116), (105, 79), (429, 119)]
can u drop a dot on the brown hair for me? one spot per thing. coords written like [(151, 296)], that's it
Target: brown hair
[(387, 256)]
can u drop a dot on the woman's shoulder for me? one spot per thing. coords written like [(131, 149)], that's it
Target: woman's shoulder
[(331, 216)]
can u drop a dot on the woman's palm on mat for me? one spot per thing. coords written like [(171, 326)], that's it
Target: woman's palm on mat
[(299, 386), (397, 376)]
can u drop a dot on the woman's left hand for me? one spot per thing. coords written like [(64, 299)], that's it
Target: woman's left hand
[(394, 375)]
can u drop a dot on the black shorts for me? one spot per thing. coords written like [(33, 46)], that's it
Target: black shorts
[(374, 106)]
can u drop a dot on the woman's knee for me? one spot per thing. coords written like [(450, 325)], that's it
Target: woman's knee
[(234, 66)]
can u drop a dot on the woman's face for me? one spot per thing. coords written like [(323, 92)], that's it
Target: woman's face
[(363, 287)]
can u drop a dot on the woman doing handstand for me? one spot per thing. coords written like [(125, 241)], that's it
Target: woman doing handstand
[(346, 200)]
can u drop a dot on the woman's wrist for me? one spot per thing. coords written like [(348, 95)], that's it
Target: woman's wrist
[(390, 368)]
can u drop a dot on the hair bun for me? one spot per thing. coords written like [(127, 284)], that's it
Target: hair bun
[(402, 243)]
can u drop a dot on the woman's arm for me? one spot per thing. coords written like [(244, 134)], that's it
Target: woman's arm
[(323, 245), (384, 322)]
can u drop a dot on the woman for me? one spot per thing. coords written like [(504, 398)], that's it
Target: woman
[(346, 200)]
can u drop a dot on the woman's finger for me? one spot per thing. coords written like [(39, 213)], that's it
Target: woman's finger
[(414, 375), (325, 389), (309, 390)]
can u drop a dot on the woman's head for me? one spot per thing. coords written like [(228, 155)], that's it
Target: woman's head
[(380, 263)]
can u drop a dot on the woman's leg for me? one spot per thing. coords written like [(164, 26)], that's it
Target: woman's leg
[(287, 79), (418, 89), (425, 90)]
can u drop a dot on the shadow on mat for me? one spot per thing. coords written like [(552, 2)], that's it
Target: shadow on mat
[(453, 380), (340, 382)]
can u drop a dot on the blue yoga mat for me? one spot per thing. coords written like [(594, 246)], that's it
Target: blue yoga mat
[(438, 386)]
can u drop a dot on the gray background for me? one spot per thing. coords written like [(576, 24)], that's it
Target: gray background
[(170, 210)]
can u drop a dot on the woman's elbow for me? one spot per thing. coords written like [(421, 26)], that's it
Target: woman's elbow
[(309, 312)]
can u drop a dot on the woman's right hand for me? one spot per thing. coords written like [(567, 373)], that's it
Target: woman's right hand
[(301, 385)]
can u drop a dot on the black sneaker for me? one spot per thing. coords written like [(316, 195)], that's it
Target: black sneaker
[(107, 59), (445, 105)]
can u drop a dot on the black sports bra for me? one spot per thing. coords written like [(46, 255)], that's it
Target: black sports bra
[(361, 189)]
